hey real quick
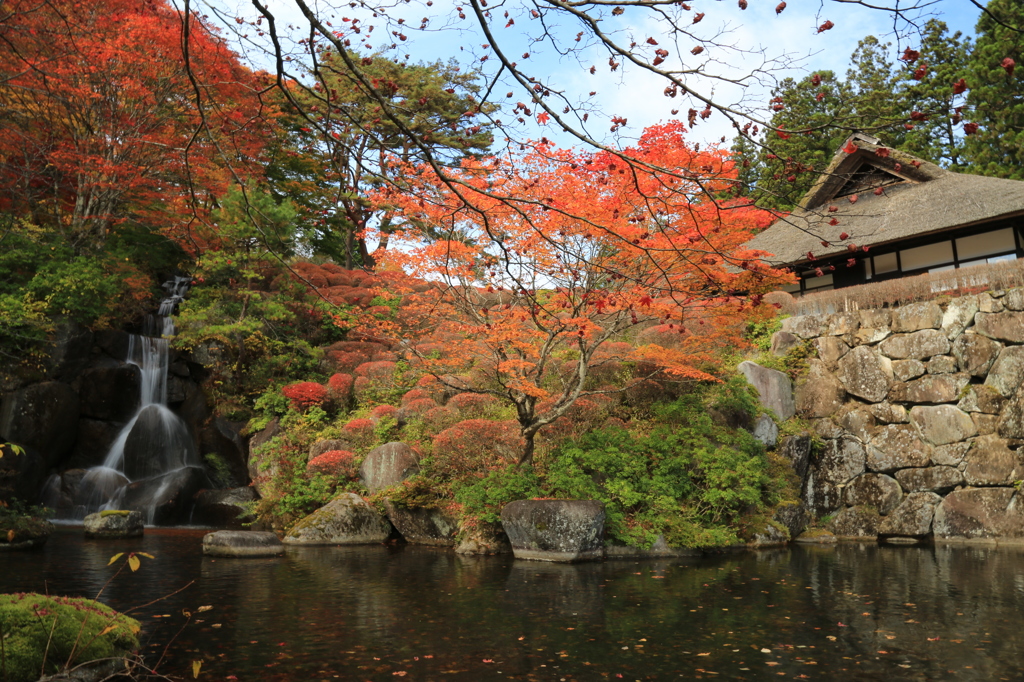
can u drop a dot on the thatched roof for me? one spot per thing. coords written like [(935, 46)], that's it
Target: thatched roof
[(918, 198)]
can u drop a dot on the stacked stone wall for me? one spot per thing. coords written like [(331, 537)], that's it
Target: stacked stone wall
[(919, 412)]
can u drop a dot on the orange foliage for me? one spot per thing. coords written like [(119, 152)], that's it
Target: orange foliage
[(475, 446), (561, 254), (339, 463)]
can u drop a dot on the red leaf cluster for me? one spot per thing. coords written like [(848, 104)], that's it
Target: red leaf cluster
[(339, 463), (476, 446), (305, 394)]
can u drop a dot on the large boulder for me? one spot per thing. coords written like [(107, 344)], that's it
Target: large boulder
[(21, 474), (485, 538), (866, 374), (917, 316), (224, 451), (820, 394), (1005, 326), (942, 424), (95, 437), (878, 491), (912, 518), (262, 463), (990, 461), (387, 465), (916, 345), (897, 446), (242, 543), (773, 386), (423, 525), (114, 523), (42, 417), (110, 392), (23, 532), (166, 500), (975, 513), (975, 353), (345, 520), (555, 530), (225, 508)]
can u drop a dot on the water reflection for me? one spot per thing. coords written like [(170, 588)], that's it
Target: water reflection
[(850, 612)]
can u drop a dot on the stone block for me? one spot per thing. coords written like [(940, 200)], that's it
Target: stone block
[(876, 318), (830, 349), (866, 374), (931, 388), (1014, 299), (897, 446), (242, 544), (819, 394), (766, 431), (783, 342), (887, 413), (942, 424), (980, 398), (387, 465), (917, 316), (990, 461), (979, 513), (423, 525), (114, 524), (345, 520), (1006, 326), (906, 370), (912, 518), (879, 491), (840, 324), (942, 364), (855, 523), (939, 479), (975, 353), (916, 345), (555, 530), (959, 315), (773, 386), (806, 326), (950, 455), (797, 451), (1011, 417), (1007, 371)]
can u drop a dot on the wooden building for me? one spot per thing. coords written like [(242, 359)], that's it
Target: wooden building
[(911, 215)]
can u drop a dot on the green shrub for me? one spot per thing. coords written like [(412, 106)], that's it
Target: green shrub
[(82, 630)]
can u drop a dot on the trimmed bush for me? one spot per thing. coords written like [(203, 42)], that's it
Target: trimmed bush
[(337, 463), (475, 446), (305, 394), (359, 432)]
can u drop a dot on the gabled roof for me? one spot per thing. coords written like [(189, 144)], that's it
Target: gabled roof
[(918, 198)]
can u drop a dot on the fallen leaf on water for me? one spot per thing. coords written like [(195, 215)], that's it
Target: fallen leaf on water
[(830, 638), (488, 660), (400, 673)]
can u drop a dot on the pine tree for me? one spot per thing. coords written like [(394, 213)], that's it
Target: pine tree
[(996, 100)]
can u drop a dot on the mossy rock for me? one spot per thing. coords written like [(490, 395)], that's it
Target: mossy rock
[(85, 631), (23, 532)]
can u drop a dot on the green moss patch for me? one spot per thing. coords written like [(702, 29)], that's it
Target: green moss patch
[(82, 630), (114, 512)]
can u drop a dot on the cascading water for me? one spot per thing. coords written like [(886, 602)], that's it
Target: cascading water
[(154, 453)]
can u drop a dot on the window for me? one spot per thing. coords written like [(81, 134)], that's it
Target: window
[(986, 244), (886, 263), (926, 256)]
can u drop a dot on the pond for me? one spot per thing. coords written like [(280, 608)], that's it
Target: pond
[(847, 612)]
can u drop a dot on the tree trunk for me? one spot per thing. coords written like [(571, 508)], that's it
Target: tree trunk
[(526, 459)]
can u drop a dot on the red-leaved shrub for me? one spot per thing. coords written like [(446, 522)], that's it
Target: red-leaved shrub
[(473, 404), (339, 463), (476, 446), (359, 432), (340, 387), (305, 394), (382, 369), (415, 408), (415, 394), (381, 411)]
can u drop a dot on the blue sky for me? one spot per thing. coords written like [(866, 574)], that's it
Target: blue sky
[(789, 41)]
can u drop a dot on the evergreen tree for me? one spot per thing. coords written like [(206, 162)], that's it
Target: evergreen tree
[(933, 100), (995, 99)]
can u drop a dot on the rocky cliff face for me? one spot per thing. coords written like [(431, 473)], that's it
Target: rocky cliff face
[(920, 410)]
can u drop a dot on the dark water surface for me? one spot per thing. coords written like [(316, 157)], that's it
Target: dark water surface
[(851, 612)]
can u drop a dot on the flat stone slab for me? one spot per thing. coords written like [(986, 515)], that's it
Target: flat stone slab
[(555, 530), (114, 524), (242, 543)]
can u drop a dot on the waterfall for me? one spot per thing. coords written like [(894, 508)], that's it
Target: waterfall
[(153, 457)]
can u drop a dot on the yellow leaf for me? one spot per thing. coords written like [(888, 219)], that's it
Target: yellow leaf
[(109, 628), (10, 535), (203, 608), (196, 665), (115, 558), (148, 556), (133, 563)]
